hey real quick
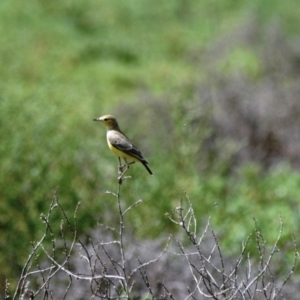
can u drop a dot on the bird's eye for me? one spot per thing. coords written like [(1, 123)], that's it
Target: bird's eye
[(105, 119)]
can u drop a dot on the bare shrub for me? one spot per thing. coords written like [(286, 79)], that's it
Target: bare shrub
[(112, 264)]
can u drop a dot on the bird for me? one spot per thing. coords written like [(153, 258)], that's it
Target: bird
[(121, 145)]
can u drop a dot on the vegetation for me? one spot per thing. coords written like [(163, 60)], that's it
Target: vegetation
[(205, 80), (112, 264)]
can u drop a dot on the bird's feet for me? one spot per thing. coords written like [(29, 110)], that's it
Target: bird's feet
[(120, 169), (122, 172)]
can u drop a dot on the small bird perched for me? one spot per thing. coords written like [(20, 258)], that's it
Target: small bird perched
[(121, 145)]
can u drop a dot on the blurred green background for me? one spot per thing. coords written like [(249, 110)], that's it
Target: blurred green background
[(208, 90)]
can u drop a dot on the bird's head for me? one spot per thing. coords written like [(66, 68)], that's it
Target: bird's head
[(109, 121)]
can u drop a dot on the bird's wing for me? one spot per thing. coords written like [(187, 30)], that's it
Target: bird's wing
[(122, 143)]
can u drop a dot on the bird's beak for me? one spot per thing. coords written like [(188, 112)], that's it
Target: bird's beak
[(96, 119)]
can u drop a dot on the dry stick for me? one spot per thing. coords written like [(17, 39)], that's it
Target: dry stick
[(271, 284), (131, 206), (40, 270), (208, 259), (21, 283), (49, 277), (249, 268), (145, 277), (103, 291), (97, 257), (114, 263), (121, 230), (94, 268), (61, 266), (267, 263), (153, 260), (192, 237), (197, 288), (261, 250), (74, 231), (233, 272), (237, 264), (204, 275), (205, 231), (44, 280), (88, 258), (222, 261), (78, 276), (120, 243), (52, 235), (222, 272), (131, 286), (168, 292), (192, 218), (296, 256), (68, 253), (47, 281), (190, 294), (66, 249), (255, 288)]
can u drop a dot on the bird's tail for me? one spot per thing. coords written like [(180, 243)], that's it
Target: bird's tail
[(146, 166)]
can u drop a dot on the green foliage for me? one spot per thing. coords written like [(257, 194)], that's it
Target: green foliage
[(252, 194), (65, 62)]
